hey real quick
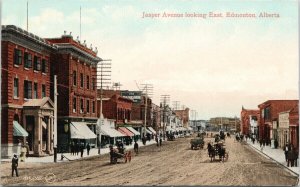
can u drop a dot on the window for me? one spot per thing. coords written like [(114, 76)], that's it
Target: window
[(87, 106), (267, 113), (18, 57), (16, 88), (81, 80), (74, 78), (44, 66), (35, 88), (37, 63), (88, 82), (93, 83), (81, 106), (74, 104), (43, 90), (27, 60), (93, 106), (27, 89)]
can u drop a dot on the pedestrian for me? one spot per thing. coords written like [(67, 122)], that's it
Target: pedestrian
[(14, 165), (296, 157), (160, 142), (156, 139), (72, 148), (253, 140), (88, 147), (77, 148), (81, 150), (286, 150), (290, 156), (136, 147)]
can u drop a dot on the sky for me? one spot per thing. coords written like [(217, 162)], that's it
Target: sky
[(213, 66)]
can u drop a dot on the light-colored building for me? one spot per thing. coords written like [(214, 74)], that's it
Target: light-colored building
[(283, 128)]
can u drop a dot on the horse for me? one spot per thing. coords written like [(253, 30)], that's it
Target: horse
[(211, 152)]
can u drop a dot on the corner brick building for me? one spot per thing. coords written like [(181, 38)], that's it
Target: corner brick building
[(76, 67), (269, 112), (27, 110)]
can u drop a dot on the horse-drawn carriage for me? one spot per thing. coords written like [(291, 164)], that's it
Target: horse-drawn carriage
[(217, 150), (197, 143), (119, 153)]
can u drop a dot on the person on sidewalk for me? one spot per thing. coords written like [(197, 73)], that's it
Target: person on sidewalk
[(81, 150), (136, 147), (296, 157), (14, 165), (88, 148), (156, 139), (286, 150), (160, 142), (290, 156)]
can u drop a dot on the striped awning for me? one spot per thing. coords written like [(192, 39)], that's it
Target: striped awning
[(135, 132), (19, 130), (152, 130), (125, 131)]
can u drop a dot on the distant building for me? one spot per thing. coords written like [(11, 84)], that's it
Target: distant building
[(249, 121), (184, 115), (225, 123)]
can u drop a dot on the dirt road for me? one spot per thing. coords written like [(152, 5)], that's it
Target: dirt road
[(174, 163)]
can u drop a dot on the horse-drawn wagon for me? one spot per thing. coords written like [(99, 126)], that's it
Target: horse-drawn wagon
[(119, 153), (217, 149)]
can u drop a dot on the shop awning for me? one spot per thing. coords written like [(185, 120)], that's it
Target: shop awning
[(106, 130), (152, 130), (190, 128), (80, 130), (148, 131), (19, 130), (135, 132), (125, 131)]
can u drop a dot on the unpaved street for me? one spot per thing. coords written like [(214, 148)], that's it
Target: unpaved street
[(172, 164)]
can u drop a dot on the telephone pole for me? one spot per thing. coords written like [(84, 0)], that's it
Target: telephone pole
[(147, 92), (176, 105), (103, 78), (165, 100)]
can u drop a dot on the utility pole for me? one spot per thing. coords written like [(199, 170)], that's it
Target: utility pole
[(103, 78), (176, 105), (148, 91), (55, 119), (165, 99)]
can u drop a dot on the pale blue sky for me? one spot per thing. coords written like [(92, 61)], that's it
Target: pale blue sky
[(221, 63)]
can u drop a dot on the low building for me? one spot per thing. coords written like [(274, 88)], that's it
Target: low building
[(184, 115)]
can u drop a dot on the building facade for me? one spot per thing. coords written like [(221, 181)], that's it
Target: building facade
[(249, 121), (184, 115), (76, 68), (269, 112), (26, 105)]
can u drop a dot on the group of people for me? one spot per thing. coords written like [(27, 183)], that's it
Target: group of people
[(291, 155), (160, 141), (79, 147)]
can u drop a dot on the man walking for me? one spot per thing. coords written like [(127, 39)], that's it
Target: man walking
[(136, 147), (160, 141), (88, 148), (14, 165)]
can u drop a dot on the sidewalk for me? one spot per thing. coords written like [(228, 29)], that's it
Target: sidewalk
[(275, 154), (93, 152)]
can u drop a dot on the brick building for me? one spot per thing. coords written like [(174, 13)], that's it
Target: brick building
[(247, 121), (75, 66), (184, 115), (294, 126), (269, 112), (27, 110), (115, 107)]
